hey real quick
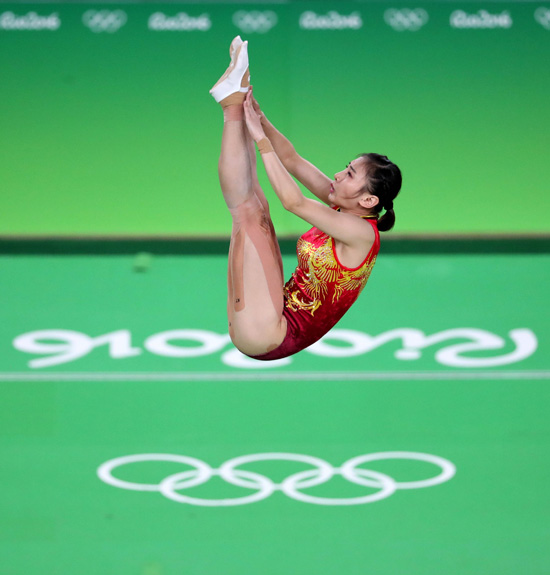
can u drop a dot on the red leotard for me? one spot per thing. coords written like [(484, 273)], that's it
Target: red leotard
[(320, 291)]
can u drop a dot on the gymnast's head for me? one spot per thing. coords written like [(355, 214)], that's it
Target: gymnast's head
[(371, 182), (382, 181)]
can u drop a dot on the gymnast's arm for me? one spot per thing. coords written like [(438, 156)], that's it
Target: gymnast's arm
[(305, 172), (356, 234)]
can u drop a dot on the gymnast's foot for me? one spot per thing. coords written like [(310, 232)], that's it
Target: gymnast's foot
[(236, 42), (245, 83), (231, 88)]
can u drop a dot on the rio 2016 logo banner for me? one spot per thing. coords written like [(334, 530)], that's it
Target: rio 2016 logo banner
[(60, 346)]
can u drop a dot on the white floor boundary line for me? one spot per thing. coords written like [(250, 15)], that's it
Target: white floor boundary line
[(276, 376)]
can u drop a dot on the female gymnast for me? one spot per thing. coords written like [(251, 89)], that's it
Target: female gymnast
[(269, 319)]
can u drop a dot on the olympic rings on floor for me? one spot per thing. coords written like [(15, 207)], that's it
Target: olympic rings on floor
[(292, 486)]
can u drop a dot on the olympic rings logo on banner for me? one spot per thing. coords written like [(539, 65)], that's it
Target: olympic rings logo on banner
[(104, 20), (542, 16), (255, 21), (406, 19), (292, 486)]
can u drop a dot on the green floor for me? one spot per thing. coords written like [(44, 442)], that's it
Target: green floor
[(443, 360)]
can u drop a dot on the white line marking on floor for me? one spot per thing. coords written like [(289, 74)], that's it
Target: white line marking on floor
[(276, 376)]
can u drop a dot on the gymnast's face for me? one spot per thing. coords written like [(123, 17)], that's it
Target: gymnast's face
[(348, 185)]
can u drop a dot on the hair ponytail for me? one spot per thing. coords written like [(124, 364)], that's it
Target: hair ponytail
[(383, 181), (387, 221)]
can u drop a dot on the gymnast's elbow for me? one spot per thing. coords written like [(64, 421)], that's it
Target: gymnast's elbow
[(293, 201)]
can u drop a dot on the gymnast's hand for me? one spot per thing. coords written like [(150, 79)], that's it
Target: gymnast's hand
[(252, 117), (256, 106)]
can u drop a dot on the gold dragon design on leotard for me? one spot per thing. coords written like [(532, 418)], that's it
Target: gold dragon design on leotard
[(321, 269)]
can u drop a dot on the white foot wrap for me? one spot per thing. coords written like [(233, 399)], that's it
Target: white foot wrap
[(237, 41), (232, 79)]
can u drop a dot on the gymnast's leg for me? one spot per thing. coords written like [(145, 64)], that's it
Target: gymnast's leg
[(263, 200), (255, 278)]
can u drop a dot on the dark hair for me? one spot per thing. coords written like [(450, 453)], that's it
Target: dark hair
[(384, 182)]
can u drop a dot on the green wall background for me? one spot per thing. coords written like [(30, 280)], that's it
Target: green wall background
[(114, 133)]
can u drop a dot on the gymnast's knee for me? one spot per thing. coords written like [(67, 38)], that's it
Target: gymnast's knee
[(250, 212)]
